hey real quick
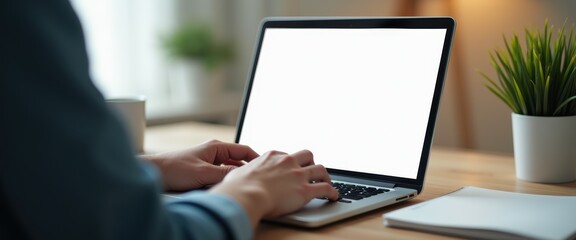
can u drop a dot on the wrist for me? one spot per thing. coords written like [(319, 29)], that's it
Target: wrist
[(157, 161), (252, 198)]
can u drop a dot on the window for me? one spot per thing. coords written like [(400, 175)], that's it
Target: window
[(124, 47)]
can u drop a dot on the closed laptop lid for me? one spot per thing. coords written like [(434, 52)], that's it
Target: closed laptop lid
[(361, 93)]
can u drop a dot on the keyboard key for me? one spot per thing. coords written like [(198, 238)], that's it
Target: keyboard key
[(356, 192)]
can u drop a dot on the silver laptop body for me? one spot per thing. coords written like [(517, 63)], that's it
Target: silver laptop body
[(361, 93)]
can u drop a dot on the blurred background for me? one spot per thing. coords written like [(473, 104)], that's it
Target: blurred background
[(140, 47)]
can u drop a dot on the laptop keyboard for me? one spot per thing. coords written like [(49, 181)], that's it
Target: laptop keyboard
[(356, 192)]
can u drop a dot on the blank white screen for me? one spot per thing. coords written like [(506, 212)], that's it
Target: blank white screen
[(359, 99)]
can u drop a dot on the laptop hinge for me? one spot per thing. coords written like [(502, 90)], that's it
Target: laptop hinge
[(363, 181)]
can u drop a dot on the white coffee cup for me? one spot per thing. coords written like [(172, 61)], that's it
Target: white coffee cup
[(132, 111)]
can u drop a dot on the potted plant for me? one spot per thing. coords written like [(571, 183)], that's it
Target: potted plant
[(538, 82), (197, 60)]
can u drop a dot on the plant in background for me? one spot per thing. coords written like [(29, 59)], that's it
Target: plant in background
[(197, 42), (539, 80)]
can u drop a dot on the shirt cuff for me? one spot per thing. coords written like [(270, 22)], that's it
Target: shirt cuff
[(225, 209)]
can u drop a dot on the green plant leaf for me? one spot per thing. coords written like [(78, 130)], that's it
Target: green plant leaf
[(196, 41), (539, 79), (563, 104)]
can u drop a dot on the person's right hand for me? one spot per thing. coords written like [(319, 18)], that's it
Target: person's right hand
[(277, 183)]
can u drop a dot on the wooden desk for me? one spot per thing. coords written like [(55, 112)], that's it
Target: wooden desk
[(448, 170)]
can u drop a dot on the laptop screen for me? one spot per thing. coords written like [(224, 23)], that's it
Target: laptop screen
[(358, 98)]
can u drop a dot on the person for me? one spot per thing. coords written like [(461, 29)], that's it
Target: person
[(67, 170)]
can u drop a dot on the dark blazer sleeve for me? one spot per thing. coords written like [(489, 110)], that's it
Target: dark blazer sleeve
[(67, 170)]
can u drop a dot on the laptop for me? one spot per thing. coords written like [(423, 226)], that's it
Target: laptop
[(361, 93)]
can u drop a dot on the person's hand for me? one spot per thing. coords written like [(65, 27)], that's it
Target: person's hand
[(277, 183), (205, 164)]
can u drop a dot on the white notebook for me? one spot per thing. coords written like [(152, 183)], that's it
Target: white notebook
[(491, 214)]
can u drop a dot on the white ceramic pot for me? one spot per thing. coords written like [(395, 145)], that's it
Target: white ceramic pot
[(544, 148)]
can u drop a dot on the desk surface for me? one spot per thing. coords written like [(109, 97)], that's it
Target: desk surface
[(447, 171)]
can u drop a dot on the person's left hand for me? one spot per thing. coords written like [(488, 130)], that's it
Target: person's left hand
[(199, 166)]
